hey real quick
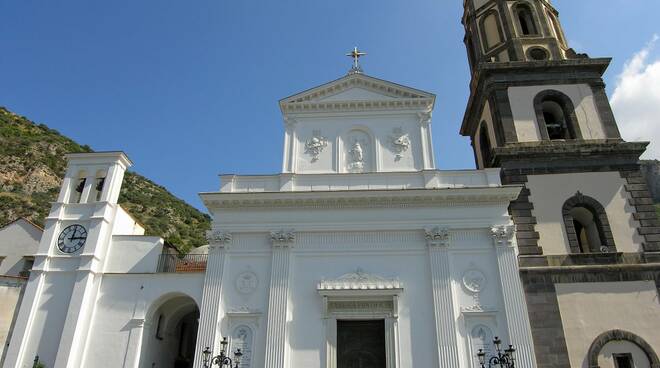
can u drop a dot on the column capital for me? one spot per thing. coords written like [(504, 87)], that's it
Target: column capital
[(289, 122), (502, 235), (437, 237), (425, 118), (218, 238), (283, 238)]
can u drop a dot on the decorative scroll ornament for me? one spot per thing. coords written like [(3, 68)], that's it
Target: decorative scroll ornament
[(247, 282), (359, 280), (437, 236), (356, 154), (282, 237), (424, 118), (316, 145), (218, 238), (400, 142), (474, 281), (502, 235)]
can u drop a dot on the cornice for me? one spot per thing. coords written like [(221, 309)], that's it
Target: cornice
[(363, 199), (425, 104)]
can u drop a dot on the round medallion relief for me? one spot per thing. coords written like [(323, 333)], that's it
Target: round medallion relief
[(247, 282), (474, 280)]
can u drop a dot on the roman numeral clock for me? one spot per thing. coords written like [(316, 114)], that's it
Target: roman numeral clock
[(72, 239)]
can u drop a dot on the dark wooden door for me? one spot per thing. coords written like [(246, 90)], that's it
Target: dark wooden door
[(361, 344)]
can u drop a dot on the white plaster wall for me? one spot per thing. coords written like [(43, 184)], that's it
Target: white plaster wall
[(17, 240), (380, 128), (125, 224), (48, 320), (125, 300), (333, 242), (524, 115), (549, 192), (133, 254), (589, 309), (10, 293)]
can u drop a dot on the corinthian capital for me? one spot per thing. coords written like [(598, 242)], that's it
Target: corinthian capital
[(218, 238), (502, 235), (437, 236), (283, 238)]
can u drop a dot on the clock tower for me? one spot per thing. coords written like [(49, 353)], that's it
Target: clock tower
[(70, 261)]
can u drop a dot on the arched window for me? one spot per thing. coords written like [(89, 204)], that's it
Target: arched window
[(491, 32), (587, 227), (555, 115), (484, 146), (599, 346), (525, 18)]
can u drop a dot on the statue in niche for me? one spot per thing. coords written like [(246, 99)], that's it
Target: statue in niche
[(357, 157)]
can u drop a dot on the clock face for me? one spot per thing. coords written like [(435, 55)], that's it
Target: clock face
[(72, 239)]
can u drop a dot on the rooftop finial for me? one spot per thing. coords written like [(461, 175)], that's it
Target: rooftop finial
[(356, 55)]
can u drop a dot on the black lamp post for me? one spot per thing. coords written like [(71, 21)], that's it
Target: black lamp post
[(222, 360), (503, 359)]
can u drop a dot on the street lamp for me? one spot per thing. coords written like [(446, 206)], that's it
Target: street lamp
[(222, 360), (504, 359)]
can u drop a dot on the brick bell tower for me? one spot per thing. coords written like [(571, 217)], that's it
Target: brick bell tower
[(539, 110)]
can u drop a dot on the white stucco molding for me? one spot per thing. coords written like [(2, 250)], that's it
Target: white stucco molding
[(358, 295), (358, 281), (218, 238), (502, 235), (437, 236), (283, 238), (363, 199)]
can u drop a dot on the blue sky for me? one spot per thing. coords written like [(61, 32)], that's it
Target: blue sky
[(189, 89)]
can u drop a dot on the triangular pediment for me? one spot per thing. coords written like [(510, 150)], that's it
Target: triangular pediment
[(357, 87)]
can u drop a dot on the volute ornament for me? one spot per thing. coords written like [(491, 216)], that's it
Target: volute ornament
[(400, 142), (437, 236), (315, 145), (502, 235), (218, 237)]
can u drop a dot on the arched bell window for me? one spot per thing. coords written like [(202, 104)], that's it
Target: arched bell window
[(525, 18), (587, 227), (555, 115), (484, 146)]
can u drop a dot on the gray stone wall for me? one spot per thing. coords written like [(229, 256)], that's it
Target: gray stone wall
[(651, 171)]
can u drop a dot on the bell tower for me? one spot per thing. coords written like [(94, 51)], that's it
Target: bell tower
[(538, 110), (502, 31)]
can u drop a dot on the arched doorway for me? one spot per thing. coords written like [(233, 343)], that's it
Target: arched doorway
[(170, 333)]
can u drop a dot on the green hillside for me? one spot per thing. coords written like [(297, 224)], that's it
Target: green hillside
[(32, 165)]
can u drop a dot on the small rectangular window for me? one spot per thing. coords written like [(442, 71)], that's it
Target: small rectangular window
[(28, 263), (623, 360)]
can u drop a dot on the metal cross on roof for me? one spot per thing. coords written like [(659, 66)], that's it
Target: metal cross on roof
[(356, 55)]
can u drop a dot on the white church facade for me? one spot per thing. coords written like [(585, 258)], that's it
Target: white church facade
[(361, 253)]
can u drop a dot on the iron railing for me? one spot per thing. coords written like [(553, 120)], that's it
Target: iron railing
[(173, 263)]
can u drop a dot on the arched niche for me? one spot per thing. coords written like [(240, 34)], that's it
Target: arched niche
[(358, 152), (599, 348), (170, 332)]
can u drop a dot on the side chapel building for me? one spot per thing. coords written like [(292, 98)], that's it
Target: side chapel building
[(361, 253)]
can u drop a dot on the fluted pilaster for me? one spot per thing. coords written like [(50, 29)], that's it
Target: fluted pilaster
[(515, 304), (438, 241), (211, 295), (276, 337)]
